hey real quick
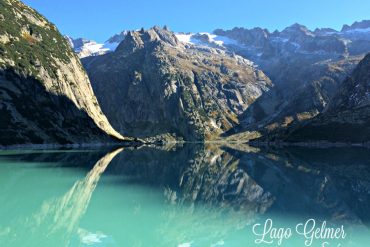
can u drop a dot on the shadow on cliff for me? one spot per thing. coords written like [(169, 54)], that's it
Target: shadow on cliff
[(32, 115), (254, 112)]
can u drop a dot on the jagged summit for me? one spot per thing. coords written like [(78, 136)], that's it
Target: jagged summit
[(296, 32), (137, 39)]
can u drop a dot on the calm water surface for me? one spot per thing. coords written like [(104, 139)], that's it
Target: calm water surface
[(190, 196)]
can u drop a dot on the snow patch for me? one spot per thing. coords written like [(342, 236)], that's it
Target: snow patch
[(93, 47), (196, 39), (220, 40), (186, 38)]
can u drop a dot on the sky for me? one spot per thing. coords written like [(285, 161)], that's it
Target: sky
[(99, 20)]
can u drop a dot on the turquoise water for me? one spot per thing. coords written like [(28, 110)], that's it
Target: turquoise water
[(191, 196)]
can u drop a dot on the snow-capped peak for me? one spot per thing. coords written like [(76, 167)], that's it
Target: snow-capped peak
[(86, 48)]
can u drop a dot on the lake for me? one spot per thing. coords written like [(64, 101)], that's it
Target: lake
[(183, 196)]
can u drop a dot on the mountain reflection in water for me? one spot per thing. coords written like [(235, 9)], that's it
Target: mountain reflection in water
[(214, 192)]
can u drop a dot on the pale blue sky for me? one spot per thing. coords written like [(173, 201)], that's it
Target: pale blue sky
[(99, 20)]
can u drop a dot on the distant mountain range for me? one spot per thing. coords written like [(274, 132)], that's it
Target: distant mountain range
[(306, 67), (295, 37)]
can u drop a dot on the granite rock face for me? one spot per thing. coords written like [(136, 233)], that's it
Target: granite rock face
[(45, 94), (154, 84)]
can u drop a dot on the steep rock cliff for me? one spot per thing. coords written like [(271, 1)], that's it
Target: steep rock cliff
[(45, 94)]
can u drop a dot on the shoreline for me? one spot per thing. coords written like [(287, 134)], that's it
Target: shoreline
[(71, 146), (314, 144)]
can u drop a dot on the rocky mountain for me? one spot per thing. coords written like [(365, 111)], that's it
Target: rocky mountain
[(154, 84), (45, 94), (346, 119)]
